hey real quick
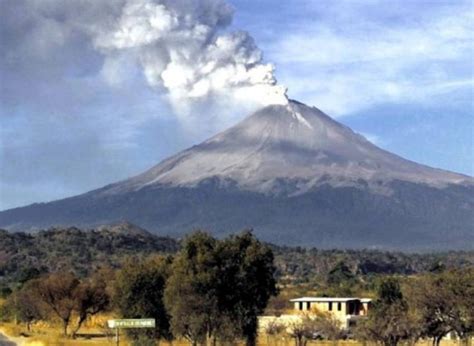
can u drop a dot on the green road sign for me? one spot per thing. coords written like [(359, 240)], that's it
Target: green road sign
[(132, 323)]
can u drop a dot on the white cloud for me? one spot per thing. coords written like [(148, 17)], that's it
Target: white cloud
[(344, 71)]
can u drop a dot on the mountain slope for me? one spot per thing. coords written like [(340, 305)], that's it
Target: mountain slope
[(292, 173), (291, 142)]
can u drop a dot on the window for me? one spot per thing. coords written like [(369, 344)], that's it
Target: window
[(339, 306), (308, 306), (330, 306), (301, 305)]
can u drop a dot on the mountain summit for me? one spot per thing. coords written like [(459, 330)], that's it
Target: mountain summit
[(293, 144), (293, 174)]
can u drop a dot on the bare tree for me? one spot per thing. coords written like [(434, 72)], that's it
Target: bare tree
[(274, 329), (328, 326), (303, 330)]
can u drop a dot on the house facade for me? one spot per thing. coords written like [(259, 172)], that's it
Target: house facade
[(346, 310)]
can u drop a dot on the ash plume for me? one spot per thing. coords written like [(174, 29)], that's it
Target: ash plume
[(183, 50)]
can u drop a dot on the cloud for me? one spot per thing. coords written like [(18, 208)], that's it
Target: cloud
[(344, 65), (182, 49)]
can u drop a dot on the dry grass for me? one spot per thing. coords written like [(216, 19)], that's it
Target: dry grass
[(46, 335)]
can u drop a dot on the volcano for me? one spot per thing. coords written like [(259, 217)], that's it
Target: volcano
[(295, 176)]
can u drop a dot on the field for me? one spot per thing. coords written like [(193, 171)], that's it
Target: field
[(50, 336)]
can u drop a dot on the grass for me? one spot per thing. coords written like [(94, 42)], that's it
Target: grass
[(45, 335)]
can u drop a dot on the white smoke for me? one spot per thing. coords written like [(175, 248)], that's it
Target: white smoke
[(183, 49)]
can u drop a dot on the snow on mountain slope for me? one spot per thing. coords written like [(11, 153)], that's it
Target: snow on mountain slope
[(292, 143)]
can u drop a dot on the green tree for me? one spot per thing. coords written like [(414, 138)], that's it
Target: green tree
[(390, 321), (444, 302), (191, 294), (460, 283), (246, 280), (218, 288), (341, 280), (24, 306), (341, 273), (139, 289)]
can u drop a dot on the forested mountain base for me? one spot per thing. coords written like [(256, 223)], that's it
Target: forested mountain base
[(25, 256)]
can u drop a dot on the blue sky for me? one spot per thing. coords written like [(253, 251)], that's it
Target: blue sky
[(399, 72)]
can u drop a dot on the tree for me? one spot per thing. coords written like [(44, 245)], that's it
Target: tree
[(65, 296), (390, 320), (340, 274), (434, 308), (91, 297), (460, 284), (328, 326), (58, 292), (25, 307), (218, 288), (191, 295), (444, 301), (303, 330), (247, 281), (274, 328), (139, 291), (341, 280)]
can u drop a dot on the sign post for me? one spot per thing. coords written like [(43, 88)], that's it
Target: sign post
[(130, 323)]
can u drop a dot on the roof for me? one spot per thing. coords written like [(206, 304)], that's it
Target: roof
[(329, 299)]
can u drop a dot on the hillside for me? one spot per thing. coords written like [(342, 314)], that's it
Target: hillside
[(23, 256)]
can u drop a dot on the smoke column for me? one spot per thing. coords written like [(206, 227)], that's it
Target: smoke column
[(183, 49)]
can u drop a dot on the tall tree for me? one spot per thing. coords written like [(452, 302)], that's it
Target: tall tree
[(191, 295), (246, 280), (139, 290), (218, 288)]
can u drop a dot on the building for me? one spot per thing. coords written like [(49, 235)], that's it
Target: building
[(346, 310)]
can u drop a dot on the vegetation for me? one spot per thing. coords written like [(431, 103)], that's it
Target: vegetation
[(217, 289), (139, 289), (316, 325), (26, 256), (61, 296), (389, 321), (209, 290), (444, 303)]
